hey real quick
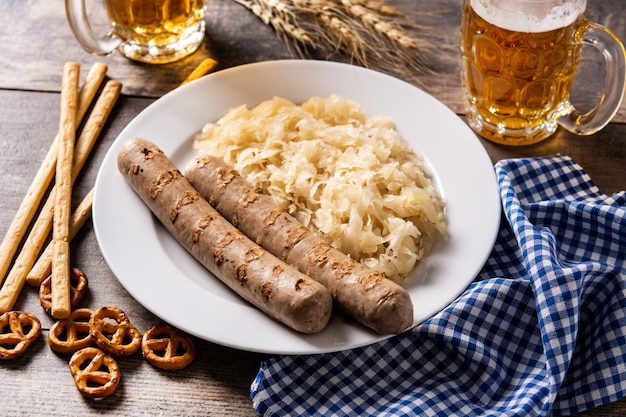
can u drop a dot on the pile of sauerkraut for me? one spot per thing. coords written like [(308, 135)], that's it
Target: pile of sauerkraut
[(349, 177)]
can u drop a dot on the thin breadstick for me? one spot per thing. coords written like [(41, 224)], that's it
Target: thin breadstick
[(43, 266), (84, 145), (202, 69), (15, 280), (43, 178), (94, 125), (42, 226), (60, 284)]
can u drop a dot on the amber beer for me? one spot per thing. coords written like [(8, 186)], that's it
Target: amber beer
[(154, 24), (519, 59), (152, 31), (517, 75)]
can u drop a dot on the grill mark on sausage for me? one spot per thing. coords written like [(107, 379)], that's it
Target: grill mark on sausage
[(247, 197), (266, 290), (253, 254), (370, 281), (294, 236), (134, 169), (301, 283), (228, 238), (187, 198), (202, 224), (277, 270), (149, 153), (270, 218), (242, 274), (224, 177), (341, 267), (166, 178), (318, 256)]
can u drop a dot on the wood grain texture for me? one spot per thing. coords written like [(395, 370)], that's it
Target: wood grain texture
[(218, 381), (35, 42), (31, 61), (601, 155)]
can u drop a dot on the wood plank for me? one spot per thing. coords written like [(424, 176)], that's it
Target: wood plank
[(217, 383), (601, 155), (31, 61)]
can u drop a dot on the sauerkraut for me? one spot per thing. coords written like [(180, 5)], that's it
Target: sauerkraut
[(348, 176)]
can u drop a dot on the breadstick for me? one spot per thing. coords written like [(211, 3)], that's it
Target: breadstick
[(26, 258), (63, 194), (41, 228), (43, 266), (202, 69), (43, 178), (83, 147)]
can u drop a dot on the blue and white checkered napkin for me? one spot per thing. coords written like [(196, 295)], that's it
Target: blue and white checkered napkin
[(541, 331)]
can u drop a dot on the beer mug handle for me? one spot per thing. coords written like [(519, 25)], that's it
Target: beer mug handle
[(79, 23), (615, 58)]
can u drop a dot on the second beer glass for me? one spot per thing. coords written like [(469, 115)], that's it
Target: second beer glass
[(151, 31), (519, 62)]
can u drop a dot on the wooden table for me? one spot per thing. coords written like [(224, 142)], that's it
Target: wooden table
[(35, 42)]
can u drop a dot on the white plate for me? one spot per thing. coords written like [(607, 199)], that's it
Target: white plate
[(168, 281)]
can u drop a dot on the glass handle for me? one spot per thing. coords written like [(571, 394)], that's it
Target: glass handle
[(77, 18), (614, 54)]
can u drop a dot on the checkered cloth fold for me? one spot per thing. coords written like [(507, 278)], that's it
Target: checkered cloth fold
[(541, 331)]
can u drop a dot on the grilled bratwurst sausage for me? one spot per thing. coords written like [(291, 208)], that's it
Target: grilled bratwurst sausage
[(256, 275), (366, 295)]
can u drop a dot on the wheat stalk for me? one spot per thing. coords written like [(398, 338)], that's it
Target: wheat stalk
[(372, 14), (282, 18), (370, 32)]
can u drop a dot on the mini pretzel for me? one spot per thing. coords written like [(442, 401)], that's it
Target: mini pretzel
[(71, 334), (112, 331), (166, 348), (95, 373), (18, 330), (78, 289)]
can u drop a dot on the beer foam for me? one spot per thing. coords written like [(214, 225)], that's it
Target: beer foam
[(530, 16)]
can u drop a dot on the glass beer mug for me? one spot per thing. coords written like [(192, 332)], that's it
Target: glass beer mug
[(519, 59), (152, 31)]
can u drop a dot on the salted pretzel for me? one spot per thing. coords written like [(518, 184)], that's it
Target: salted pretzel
[(95, 373), (167, 348), (71, 334), (78, 289), (113, 332), (18, 330)]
